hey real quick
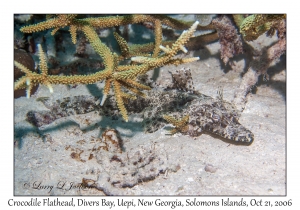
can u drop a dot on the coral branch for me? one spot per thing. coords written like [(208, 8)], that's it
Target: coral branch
[(231, 43), (260, 64), (255, 25), (158, 38), (118, 75)]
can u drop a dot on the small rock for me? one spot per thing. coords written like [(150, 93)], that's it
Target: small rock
[(210, 168)]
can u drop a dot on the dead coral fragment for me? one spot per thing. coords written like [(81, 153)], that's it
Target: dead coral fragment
[(260, 64), (255, 25), (122, 170), (231, 43), (112, 140)]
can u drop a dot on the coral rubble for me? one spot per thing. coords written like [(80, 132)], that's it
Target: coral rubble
[(118, 168), (231, 43)]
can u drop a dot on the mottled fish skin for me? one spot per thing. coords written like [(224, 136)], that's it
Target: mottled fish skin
[(212, 116), (206, 114)]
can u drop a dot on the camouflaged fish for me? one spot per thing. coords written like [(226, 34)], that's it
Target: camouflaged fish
[(193, 113), (213, 116), (180, 101)]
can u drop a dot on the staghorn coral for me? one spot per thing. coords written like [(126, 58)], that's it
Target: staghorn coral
[(63, 20), (25, 59), (120, 75), (114, 74)]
